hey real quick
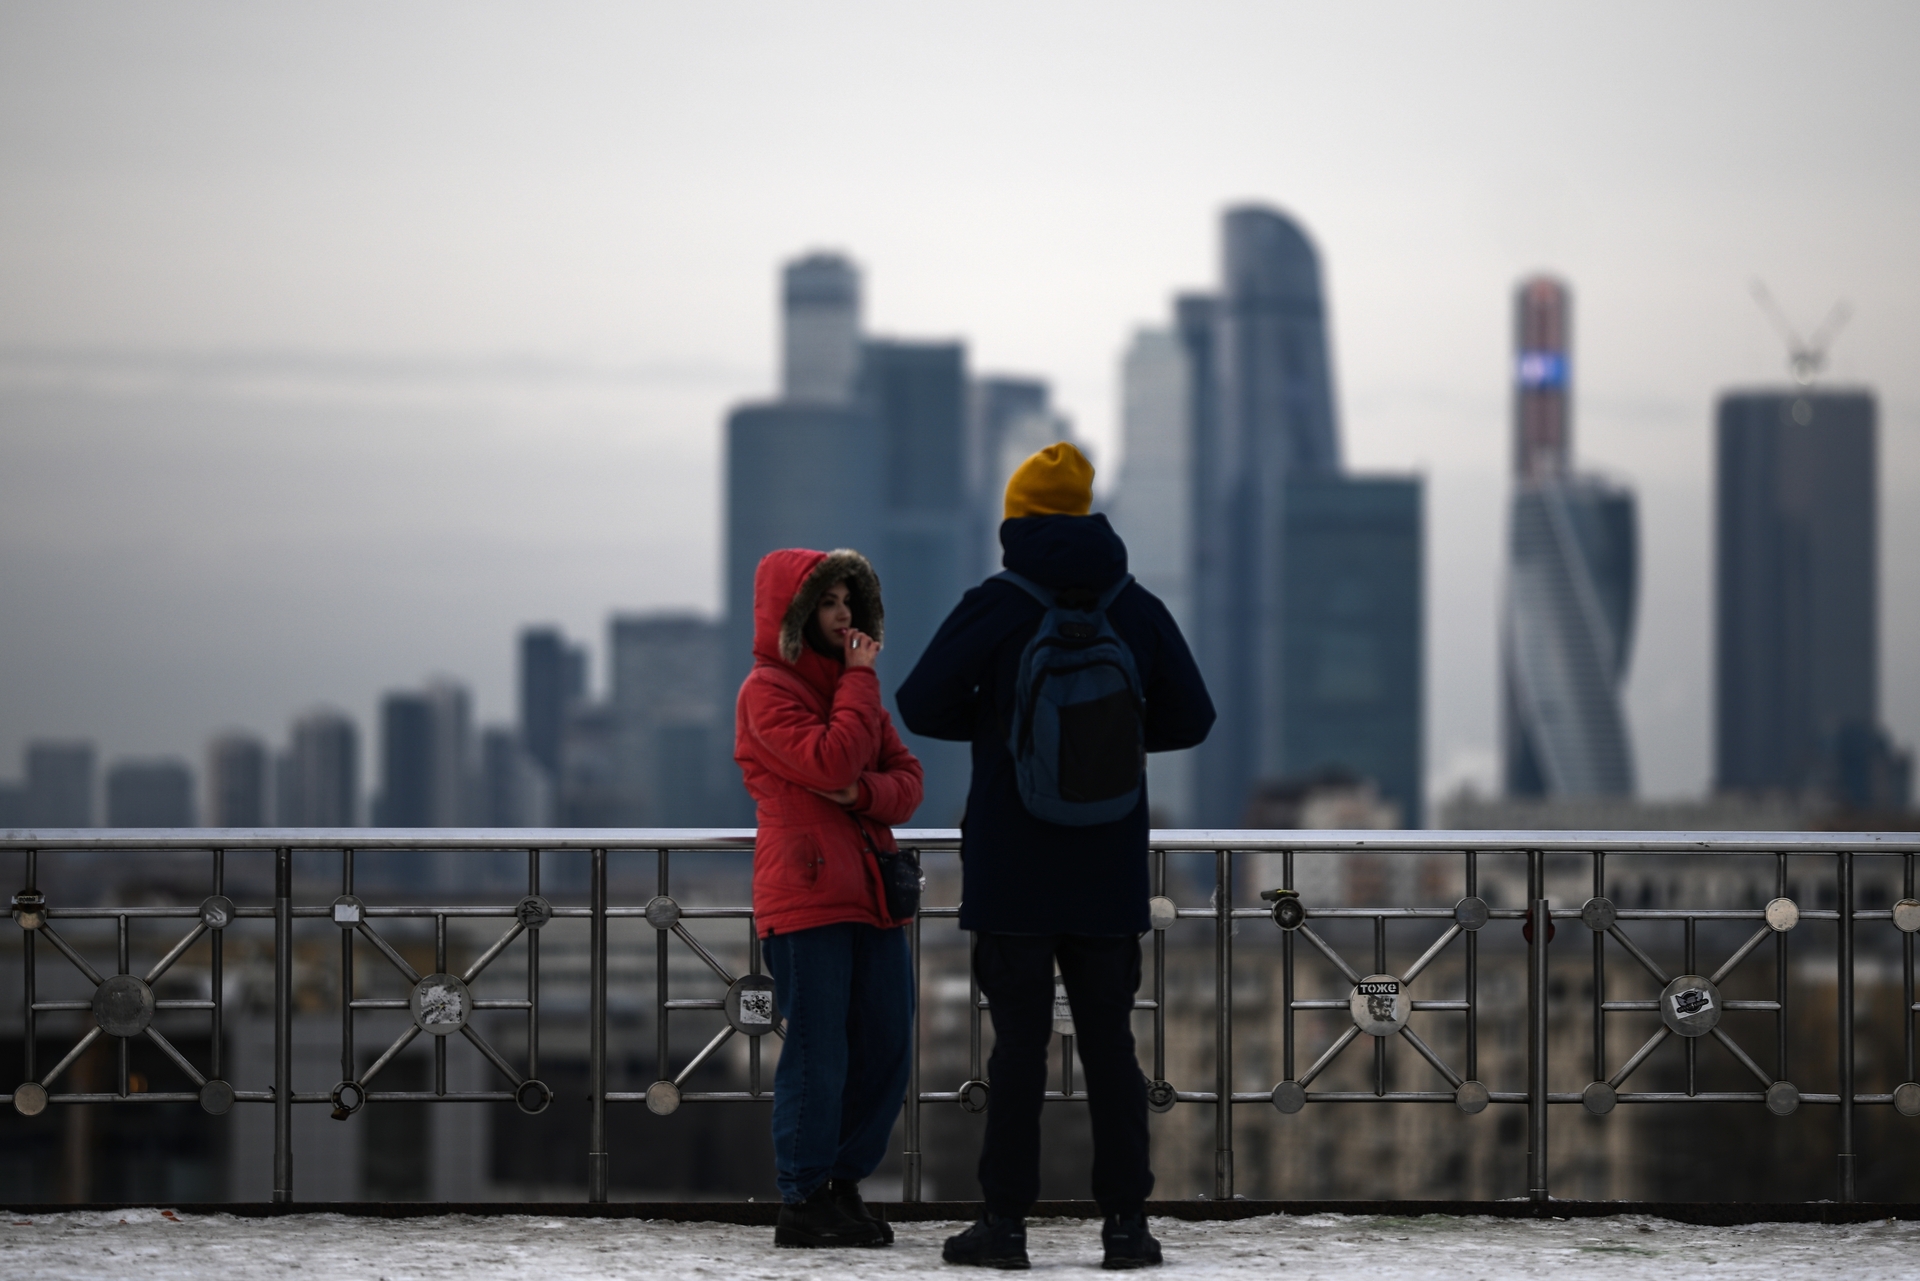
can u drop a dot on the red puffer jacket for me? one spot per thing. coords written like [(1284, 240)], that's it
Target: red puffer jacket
[(805, 721)]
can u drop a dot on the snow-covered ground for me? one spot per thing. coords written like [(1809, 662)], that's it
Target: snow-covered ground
[(151, 1246)]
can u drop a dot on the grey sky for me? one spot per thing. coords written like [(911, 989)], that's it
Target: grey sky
[(336, 342)]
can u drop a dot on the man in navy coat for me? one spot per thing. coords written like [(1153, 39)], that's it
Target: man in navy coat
[(1040, 894)]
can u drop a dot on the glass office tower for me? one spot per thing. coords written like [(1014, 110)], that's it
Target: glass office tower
[(1352, 605), (1796, 609), (1572, 579)]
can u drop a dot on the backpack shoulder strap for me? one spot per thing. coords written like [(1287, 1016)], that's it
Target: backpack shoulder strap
[(1112, 593), (1028, 586)]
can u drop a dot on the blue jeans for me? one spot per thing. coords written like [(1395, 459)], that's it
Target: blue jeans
[(846, 992)]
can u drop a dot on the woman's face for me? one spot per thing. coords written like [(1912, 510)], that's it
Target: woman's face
[(834, 616)]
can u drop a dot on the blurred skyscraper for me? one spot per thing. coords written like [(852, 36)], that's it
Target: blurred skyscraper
[(1572, 567), (236, 782), (820, 330), (1152, 508), (406, 762), (553, 677), (515, 791), (1353, 622), (317, 781), (917, 393), (157, 793), (1305, 584), (671, 720), (1796, 603), (59, 785), (1272, 417)]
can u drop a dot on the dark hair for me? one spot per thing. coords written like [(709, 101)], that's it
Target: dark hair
[(816, 639)]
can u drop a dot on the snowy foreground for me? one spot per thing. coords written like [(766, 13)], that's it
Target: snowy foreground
[(152, 1246)]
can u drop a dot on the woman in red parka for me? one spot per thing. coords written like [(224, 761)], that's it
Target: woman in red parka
[(829, 778)]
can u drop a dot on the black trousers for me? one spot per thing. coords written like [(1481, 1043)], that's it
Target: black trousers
[(1102, 974)]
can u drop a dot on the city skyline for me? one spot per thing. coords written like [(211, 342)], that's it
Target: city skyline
[(333, 397)]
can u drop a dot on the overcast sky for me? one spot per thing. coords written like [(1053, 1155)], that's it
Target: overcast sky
[(337, 342)]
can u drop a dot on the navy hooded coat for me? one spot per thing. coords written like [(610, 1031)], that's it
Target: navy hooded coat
[(1023, 875)]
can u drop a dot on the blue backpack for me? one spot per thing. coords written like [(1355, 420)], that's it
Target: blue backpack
[(1078, 736)]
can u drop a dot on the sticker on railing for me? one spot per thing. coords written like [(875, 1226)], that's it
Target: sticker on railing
[(756, 1007), (1690, 1005), (1379, 1005), (440, 1004)]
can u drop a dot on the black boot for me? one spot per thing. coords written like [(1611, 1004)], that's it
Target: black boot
[(996, 1241), (1128, 1243), (820, 1221), (847, 1193)]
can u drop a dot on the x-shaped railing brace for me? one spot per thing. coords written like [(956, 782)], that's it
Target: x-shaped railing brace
[(1601, 1100), (1353, 1033), (123, 1006), (663, 1096)]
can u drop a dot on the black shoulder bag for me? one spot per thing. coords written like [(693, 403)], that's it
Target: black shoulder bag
[(901, 879)]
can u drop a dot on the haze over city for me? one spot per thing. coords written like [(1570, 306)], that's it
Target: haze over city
[(336, 346)]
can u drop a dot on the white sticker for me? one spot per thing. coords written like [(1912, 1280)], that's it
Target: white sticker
[(757, 1008), (1690, 1001), (346, 913), (441, 1004)]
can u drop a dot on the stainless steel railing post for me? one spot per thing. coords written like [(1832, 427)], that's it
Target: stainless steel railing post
[(1223, 1025), (347, 1072), (1843, 874), (910, 1149), (283, 1025), (216, 972), (1537, 1028), (597, 1030), (30, 1068)]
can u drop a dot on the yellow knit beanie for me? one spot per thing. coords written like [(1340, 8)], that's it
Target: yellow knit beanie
[(1057, 481)]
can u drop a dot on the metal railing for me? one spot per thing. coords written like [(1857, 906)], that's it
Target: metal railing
[(1378, 1001)]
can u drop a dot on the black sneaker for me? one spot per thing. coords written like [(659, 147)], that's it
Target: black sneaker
[(847, 1193), (1128, 1243), (822, 1222), (996, 1241)]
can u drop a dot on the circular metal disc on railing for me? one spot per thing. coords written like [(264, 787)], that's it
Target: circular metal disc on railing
[(1690, 1005), (216, 913), (1380, 1005), (216, 1098), (1783, 1098), (532, 912), (30, 1098), (1161, 1096), (1599, 1098), (348, 1097), (1906, 915), (1471, 1097), (441, 1004), (1289, 1097), (973, 1096), (1289, 913), (123, 1006), (750, 1005), (1161, 911), (1598, 914), (662, 912), (348, 911), (663, 1098), (532, 1097), (1906, 1098), (1470, 913), (1783, 914)]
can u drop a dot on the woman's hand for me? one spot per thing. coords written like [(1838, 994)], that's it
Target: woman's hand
[(862, 649), (845, 796)]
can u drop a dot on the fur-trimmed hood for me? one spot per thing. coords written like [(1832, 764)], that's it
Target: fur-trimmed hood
[(787, 588)]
